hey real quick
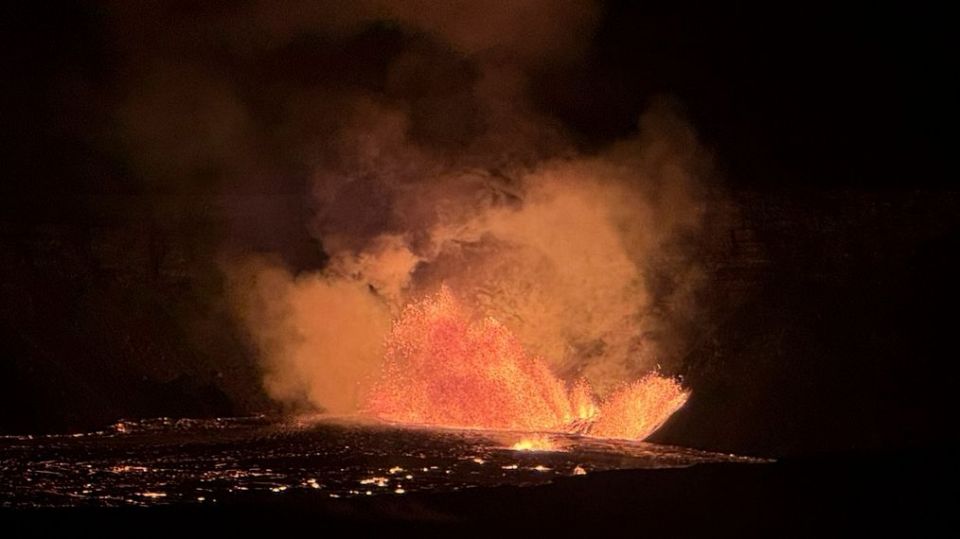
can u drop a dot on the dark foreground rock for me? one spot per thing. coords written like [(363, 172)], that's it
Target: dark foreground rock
[(847, 495)]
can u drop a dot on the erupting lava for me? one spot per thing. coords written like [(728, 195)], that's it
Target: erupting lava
[(442, 369)]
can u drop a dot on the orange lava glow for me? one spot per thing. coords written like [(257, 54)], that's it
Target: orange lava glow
[(535, 443), (442, 369), (639, 409)]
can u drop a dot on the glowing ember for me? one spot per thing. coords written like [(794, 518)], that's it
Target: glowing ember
[(443, 369)]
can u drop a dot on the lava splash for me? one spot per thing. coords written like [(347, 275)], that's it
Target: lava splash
[(444, 369)]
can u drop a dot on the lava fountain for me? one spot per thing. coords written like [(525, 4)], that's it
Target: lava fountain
[(444, 369)]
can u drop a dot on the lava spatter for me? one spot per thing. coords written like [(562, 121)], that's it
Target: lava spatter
[(444, 369)]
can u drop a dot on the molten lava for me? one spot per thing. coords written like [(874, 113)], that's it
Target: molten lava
[(442, 369), (640, 408), (536, 443)]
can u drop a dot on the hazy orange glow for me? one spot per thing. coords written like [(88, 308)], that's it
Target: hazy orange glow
[(444, 369)]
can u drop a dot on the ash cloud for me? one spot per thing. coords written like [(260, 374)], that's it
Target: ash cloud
[(401, 136)]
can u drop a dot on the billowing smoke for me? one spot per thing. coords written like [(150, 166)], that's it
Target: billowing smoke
[(565, 252), (426, 164)]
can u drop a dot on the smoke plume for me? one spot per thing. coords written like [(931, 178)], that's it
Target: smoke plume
[(563, 252), (423, 163)]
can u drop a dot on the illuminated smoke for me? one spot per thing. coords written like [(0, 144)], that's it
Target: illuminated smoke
[(562, 254), (320, 339), (449, 176)]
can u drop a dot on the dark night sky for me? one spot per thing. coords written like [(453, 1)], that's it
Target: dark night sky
[(808, 96), (829, 129)]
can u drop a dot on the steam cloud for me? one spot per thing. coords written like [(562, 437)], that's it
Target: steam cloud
[(441, 171)]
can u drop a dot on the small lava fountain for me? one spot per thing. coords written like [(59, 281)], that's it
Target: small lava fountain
[(536, 443), (444, 369)]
